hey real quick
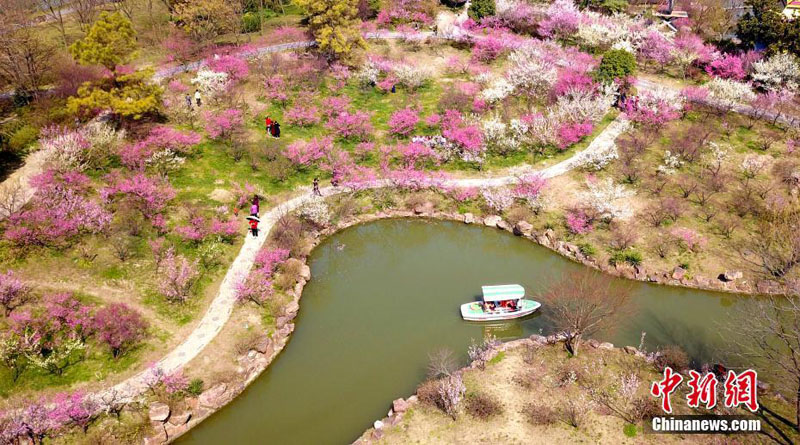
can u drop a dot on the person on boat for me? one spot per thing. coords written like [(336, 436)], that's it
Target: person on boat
[(512, 305), (254, 226)]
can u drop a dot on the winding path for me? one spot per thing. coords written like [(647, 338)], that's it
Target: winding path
[(223, 303), (222, 306)]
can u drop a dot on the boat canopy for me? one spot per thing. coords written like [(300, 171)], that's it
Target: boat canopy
[(504, 292)]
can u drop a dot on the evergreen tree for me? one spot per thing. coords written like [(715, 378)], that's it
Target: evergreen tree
[(111, 41), (479, 9), (335, 25), (616, 64)]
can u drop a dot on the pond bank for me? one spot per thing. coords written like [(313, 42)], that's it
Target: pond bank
[(255, 361)]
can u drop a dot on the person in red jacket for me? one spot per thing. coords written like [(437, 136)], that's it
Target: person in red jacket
[(254, 226), (268, 124)]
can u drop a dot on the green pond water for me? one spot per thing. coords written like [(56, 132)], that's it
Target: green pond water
[(384, 295)]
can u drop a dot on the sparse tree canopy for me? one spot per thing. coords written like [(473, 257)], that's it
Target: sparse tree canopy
[(111, 41), (205, 20), (582, 303), (25, 57), (335, 25)]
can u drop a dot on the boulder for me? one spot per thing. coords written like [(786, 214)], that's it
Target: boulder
[(159, 437), (305, 272), (502, 224), (469, 218), (606, 345), (399, 406), (731, 275), (523, 228), (425, 208), (538, 339), (378, 424), (491, 221), (593, 343), (159, 412), (678, 273), (174, 431), (298, 288), (631, 350), (291, 309), (550, 235), (213, 396), (180, 419)]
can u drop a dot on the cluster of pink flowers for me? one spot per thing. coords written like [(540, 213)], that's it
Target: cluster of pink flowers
[(119, 327), (578, 222), (243, 194), (488, 48), (134, 156), (404, 122), (178, 277), (404, 11), (572, 132), (148, 195), (335, 105), (468, 138), (47, 418), (351, 125), (651, 110), (257, 287), (275, 89), (529, 187), (304, 153), (464, 194), (233, 66), (689, 238), (222, 125), (562, 19), (59, 210), (413, 154), (302, 115), (269, 259), (570, 80)]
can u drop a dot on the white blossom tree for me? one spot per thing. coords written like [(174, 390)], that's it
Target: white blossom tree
[(780, 71)]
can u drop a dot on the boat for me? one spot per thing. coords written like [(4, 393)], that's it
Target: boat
[(503, 302)]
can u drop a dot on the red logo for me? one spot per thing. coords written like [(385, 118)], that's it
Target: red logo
[(741, 390), (704, 390), (666, 387)]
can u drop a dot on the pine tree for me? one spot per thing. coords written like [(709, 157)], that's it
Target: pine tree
[(111, 41), (479, 9), (335, 25)]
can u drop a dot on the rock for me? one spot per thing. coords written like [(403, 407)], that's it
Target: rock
[(593, 343), (305, 272), (159, 437), (212, 397), (630, 350), (399, 406), (291, 309), (378, 424), (550, 235), (523, 228), (298, 288), (606, 345), (678, 273), (425, 208), (491, 221), (730, 275), (413, 399), (377, 434), (159, 412), (504, 225), (180, 419), (469, 218), (173, 431), (538, 339)]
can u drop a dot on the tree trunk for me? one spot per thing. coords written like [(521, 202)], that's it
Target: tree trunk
[(572, 343)]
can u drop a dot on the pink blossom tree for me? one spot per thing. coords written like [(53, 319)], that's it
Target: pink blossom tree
[(302, 115), (347, 125), (404, 122), (233, 66), (224, 124), (177, 278), (13, 292), (304, 153), (119, 327), (570, 133), (730, 66), (145, 194)]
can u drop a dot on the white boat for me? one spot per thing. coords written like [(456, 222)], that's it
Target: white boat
[(500, 303)]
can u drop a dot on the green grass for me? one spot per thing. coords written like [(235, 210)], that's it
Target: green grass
[(498, 358)]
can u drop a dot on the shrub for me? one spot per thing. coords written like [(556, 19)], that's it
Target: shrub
[(587, 249), (483, 406), (195, 387), (428, 393), (629, 430), (251, 22), (616, 64), (672, 356), (540, 414), (629, 256), (575, 410), (404, 122), (22, 138)]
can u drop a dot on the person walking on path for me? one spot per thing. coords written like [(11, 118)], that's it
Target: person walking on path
[(198, 98), (253, 225), (315, 191), (255, 207), (275, 130), (189, 102)]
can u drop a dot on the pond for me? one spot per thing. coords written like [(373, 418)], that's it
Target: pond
[(385, 295)]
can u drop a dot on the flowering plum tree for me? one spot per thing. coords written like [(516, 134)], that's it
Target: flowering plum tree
[(730, 66), (177, 278), (570, 133), (304, 153), (119, 327), (347, 125), (148, 195), (223, 125), (302, 115), (234, 67), (13, 292), (403, 122), (779, 71)]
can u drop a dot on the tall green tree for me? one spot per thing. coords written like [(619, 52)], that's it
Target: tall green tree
[(111, 41), (335, 25), (616, 64), (479, 9), (766, 25)]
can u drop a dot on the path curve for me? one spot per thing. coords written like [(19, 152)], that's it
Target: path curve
[(222, 306)]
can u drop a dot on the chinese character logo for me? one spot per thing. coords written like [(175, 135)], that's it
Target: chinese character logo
[(741, 390), (703, 390), (666, 387)]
